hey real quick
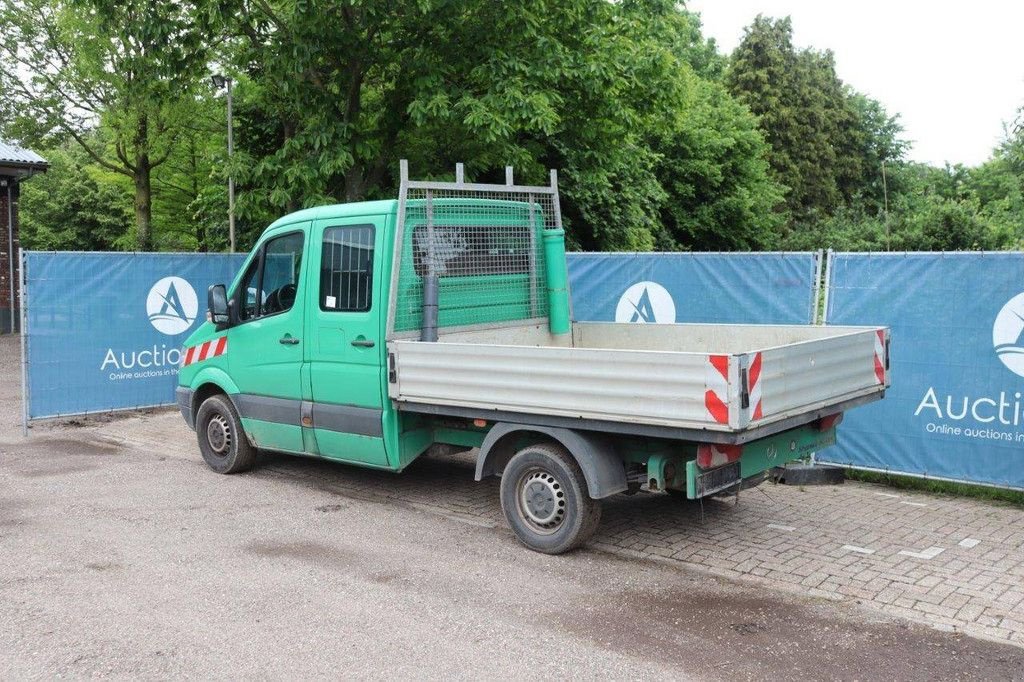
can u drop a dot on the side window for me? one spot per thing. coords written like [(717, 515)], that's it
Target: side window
[(346, 269), (282, 261), (271, 283)]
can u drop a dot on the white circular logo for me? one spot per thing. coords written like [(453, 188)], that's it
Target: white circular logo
[(172, 305), (646, 303), (1006, 333)]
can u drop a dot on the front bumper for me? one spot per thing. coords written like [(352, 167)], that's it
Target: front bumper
[(183, 396)]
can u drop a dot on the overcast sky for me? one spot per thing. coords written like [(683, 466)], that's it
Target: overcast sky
[(954, 71)]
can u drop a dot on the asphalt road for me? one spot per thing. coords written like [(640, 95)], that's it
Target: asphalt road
[(127, 561)]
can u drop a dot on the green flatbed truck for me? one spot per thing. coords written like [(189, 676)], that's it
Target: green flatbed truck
[(370, 333)]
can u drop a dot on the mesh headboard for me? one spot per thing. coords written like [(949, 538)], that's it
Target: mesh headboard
[(482, 244)]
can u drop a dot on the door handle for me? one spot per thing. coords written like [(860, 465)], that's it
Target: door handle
[(364, 343), (289, 340)]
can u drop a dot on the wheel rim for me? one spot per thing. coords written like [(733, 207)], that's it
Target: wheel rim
[(541, 501), (218, 435)]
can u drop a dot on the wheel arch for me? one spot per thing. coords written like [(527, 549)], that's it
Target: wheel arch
[(211, 381), (602, 467)]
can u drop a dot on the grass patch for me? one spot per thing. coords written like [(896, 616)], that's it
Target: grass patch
[(981, 492)]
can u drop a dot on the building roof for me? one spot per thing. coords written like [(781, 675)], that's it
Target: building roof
[(12, 156)]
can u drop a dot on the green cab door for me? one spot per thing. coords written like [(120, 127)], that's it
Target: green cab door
[(346, 351), (265, 347)]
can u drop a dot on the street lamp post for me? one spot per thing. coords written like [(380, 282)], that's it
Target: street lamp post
[(221, 81)]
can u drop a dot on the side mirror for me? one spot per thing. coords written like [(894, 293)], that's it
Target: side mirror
[(217, 305)]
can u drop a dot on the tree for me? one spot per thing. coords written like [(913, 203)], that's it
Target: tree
[(76, 205), (190, 205), (932, 209), (827, 141), (713, 166), (128, 66), (332, 96), (876, 140), (336, 94)]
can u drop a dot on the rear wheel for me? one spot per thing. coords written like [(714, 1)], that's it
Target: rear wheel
[(222, 441), (545, 499)]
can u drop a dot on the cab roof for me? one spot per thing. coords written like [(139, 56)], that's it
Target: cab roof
[(350, 210)]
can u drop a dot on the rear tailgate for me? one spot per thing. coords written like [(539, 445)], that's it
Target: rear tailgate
[(779, 383)]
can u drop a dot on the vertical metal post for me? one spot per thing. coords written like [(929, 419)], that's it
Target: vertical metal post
[(885, 194), (508, 176), (815, 299), (554, 199), (460, 173), (24, 338), (231, 177), (533, 256), (828, 286), (398, 244), (10, 249), (428, 331), (557, 207)]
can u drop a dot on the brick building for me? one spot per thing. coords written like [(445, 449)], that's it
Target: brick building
[(16, 164)]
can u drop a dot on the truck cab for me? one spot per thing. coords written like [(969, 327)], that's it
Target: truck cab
[(298, 342)]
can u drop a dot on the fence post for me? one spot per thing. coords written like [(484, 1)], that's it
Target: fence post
[(828, 286), (816, 299), (23, 329)]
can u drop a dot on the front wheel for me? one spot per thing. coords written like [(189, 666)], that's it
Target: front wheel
[(225, 448), (544, 497)]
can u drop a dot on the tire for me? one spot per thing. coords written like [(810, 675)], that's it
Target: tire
[(561, 515), (677, 494), (222, 440)]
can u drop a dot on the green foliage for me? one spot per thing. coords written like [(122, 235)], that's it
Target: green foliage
[(950, 209), (877, 142), (661, 142), (713, 167), (615, 96), (827, 141), (339, 93), (127, 66), (76, 205), (1013, 497)]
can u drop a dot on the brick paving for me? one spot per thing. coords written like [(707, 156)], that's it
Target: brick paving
[(956, 564)]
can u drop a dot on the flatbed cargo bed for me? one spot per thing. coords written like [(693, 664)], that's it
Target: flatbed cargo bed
[(708, 382)]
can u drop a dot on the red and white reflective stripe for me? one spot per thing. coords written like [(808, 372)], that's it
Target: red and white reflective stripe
[(717, 393), (714, 455), (754, 381), (880, 355), (205, 351)]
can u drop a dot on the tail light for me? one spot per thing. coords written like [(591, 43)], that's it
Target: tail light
[(830, 422)]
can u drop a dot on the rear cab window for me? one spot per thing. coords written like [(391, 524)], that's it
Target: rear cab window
[(346, 269)]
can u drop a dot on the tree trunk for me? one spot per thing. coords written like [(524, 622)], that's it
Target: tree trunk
[(143, 190), (355, 188), (143, 204)]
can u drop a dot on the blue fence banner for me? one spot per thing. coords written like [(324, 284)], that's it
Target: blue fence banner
[(730, 288), (104, 330), (955, 409)]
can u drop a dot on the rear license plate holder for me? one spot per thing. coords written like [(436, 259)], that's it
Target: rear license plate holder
[(717, 479)]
